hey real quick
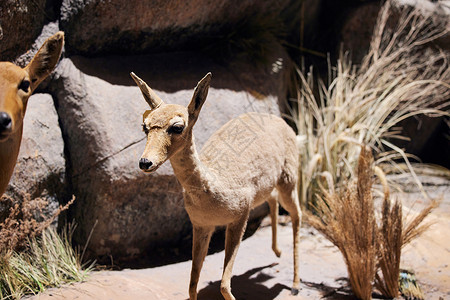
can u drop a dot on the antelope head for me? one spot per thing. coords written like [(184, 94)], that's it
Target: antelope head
[(168, 126), (17, 84)]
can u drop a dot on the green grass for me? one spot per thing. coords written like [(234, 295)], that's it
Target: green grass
[(48, 261)]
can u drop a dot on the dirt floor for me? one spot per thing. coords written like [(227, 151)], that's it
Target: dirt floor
[(259, 274)]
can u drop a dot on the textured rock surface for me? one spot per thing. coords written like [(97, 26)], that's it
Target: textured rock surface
[(118, 26), (40, 168), (100, 108), (101, 116), (20, 24)]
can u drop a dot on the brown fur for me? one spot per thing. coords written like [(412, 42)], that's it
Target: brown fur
[(13, 100), (250, 160)]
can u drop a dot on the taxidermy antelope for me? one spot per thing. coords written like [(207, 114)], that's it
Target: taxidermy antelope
[(16, 86), (222, 186)]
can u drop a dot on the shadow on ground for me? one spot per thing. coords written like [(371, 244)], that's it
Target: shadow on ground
[(252, 285), (245, 286), (179, 252)]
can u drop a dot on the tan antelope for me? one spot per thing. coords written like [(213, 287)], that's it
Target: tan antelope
[(16, 86), (232, 174)]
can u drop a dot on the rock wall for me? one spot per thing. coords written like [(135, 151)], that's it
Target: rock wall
[(41, 167), (94, 137), (100, 109), (82, 133)]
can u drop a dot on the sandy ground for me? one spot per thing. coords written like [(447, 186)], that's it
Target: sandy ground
[(259, 274)]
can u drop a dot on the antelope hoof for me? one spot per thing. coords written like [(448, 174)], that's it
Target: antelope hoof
[(294, 291), (277, 251)]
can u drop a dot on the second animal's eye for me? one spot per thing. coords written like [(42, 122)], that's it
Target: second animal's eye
[(144, 128), (24, 86), (176, 128)]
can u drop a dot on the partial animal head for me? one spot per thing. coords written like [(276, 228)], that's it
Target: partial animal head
[(17, 84), (168, 126)]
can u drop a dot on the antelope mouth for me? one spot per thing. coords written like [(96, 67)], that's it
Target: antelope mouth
[(151, 169), (4, 136)]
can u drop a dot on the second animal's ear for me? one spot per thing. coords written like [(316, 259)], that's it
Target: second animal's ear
[(45, 59), (149, 95), (199, 97)]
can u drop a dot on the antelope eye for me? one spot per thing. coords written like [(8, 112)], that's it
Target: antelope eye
[(24, 86), (176, 128), (144, 128)]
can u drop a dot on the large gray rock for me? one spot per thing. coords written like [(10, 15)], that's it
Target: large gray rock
[(134, 26), (101, 109), (40, 168), (358, 25), (20, 24)]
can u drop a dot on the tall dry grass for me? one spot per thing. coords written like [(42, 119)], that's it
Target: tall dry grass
[(403, 75), (33, 256), (347, 219), (370, 240)]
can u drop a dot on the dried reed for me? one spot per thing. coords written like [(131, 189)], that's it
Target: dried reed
[(371, 248), (21, 222), (401, 76), (347, 219), (389, 246), (32, 255)]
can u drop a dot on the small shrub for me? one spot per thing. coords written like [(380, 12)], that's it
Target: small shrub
[(403, 75), (347, 219), (32, 255), (371, 246)]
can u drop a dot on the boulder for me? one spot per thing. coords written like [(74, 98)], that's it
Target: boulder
[(40, 168), (126, 212), (20, 24), (358, 25), (135, 26)]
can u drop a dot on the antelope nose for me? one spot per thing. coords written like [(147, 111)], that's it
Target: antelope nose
[(145, 164), (5, 121)]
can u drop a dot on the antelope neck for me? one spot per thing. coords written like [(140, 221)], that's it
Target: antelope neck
[(188, 168)]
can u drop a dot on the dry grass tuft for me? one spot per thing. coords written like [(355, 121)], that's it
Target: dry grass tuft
[(347, 219), (371, 246), (24, 221), (33, 255), (389, 245), (403, 75), (414, 227)]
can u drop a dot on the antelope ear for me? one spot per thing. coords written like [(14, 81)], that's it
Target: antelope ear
[(149, 95), (199, 97), (45, 59), (145, 115)]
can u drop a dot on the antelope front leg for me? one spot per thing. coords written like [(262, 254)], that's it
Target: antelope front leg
[(200, 242), (233, 238)]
